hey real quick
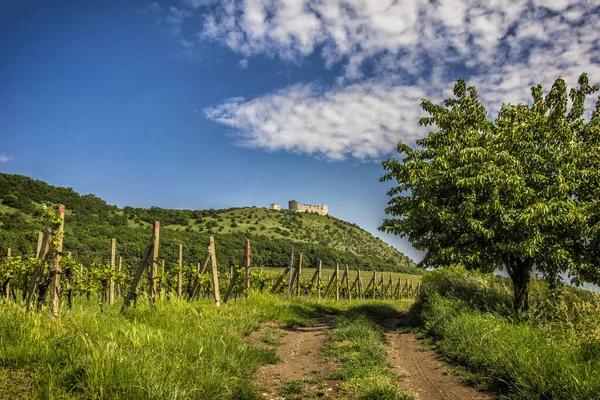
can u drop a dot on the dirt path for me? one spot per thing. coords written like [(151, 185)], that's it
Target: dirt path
[(425, 373), (301, 374)]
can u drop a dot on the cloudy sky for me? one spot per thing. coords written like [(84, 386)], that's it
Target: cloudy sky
[(202, 103)]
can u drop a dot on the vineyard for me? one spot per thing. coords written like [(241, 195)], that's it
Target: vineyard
[(198, 330), (53, 275), (178, 329)]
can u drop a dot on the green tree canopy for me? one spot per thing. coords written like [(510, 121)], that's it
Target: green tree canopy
[(518, 192)]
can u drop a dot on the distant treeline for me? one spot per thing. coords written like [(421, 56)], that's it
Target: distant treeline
[(90, 223)]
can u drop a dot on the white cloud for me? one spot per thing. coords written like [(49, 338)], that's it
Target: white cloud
[(502, 47), (363, 120), (5, 158), (243, 64)]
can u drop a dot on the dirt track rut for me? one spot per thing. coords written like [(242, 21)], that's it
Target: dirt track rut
[(424, 372)]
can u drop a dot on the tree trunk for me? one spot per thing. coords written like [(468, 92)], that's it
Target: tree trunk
[(519, 271)]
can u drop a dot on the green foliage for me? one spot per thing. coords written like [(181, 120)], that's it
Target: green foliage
[(90, 223), (517, 192), (552, 352)]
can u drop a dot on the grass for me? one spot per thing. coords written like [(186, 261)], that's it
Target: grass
[(178, 350), (356, 342), (552, 353)]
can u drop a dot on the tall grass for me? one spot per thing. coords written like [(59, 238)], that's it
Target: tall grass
[(553, 352), (177, 350)]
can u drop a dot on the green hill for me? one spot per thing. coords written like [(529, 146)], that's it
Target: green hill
[(90, 223)]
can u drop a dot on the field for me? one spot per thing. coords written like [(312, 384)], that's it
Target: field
[(302, 348), (177, 350)]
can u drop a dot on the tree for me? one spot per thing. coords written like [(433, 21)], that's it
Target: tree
[(520, 192)]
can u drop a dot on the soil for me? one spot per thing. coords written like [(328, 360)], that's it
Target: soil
[(301, 374), (424, 372)]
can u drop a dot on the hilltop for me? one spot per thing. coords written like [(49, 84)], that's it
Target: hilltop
[(90, 222)]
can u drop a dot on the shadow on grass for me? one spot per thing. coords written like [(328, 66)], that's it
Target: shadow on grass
[(379, 313)]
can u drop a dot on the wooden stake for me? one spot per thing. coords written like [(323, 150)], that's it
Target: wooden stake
[(38, 248), (312, 281), (279, 280), (138, 276), (319, 279), (299, 276), (234, 275), (119, 269), (111, 285), (154, 261), (337, 281), (331, 279), (396, 293), (355, 284), (39, 269), (348, 295), (374, 282), (55, 282), (370, 283), (360, 286), (200, 270), (291, 273), (248, 255), (179, 271), (215, 273)]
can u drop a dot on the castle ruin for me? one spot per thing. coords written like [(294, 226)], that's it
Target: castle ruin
[(274, 206), (298, 207)]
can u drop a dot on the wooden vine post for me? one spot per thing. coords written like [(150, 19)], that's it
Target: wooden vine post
[(154, 262), (111, 285), (299, 276), (291, 273), (179, 271), (248, 255), (215, 273), (119, 267), (200, 271), (319, 279), (55, 282), (38, 247), (337, 281), (39, 269), (131, 293), (245, 261), (359, 289), (279, 280), (374, 282), (348, 295)]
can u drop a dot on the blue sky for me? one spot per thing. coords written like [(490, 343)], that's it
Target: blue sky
[(206, 104)]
